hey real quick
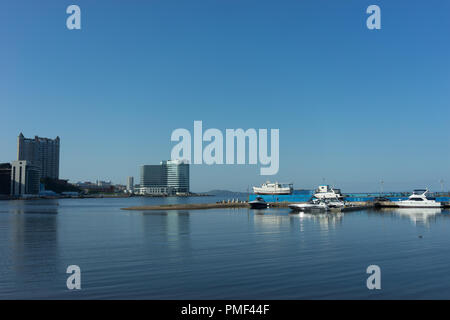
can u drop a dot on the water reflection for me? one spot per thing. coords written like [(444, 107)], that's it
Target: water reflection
[(279, 217), (270, 218), (33, 207), (170, 227), (418, 216), (34, 230), (325, 221)]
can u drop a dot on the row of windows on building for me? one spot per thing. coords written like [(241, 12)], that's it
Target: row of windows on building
[(19, 178), (36, 158), (169, 177)]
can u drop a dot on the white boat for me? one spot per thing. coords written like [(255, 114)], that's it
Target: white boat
[(335, 203), (327, 192), (312, 205), (418, 200), (274, 188)]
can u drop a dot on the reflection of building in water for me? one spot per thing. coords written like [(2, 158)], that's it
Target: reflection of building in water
[(168, 227), (34, 238)]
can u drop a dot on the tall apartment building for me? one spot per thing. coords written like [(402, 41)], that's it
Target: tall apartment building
[(130, 184), (41, 152), (169, 177), (25, 178)]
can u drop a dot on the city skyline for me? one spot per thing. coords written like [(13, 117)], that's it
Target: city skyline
[(215, 158), (353, 106)]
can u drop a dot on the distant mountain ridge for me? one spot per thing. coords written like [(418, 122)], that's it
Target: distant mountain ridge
[(225, 193)]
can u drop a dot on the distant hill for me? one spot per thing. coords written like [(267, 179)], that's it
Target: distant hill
[(226, 193)]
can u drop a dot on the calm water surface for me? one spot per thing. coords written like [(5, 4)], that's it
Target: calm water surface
[(218, 254)]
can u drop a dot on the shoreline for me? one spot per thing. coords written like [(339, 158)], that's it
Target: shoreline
[(99, 196)]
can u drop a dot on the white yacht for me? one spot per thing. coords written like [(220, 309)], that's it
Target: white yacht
[(327, 192), (312, 205), (274, 188), (418, 200)]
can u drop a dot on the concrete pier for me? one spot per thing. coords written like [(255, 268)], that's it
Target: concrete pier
[(191, 206), (200, 206)]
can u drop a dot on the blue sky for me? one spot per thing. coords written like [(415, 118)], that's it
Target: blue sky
[(353, 106)]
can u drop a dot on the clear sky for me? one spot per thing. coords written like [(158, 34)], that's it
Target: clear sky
[(354, 106)]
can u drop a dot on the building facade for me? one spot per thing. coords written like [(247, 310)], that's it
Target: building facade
[(25, 178), (5, 178), (176, 175), (41, 152), (130, 185), (169, 177)]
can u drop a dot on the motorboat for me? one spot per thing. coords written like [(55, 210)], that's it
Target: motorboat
[(274, 188), (327, 192), (335, 203), (312, 205), (258, 203), (418, 200)]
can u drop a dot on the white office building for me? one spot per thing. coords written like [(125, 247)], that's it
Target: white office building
[(169, 177), (25, 178), (130, 184)]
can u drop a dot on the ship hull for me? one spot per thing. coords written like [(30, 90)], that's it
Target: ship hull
[(272, 193), (405, 204)]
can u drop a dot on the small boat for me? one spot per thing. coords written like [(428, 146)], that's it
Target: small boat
[(258, 203), (312, 205), (335, 203), (418, 200), (274, 188), (327, 192)]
